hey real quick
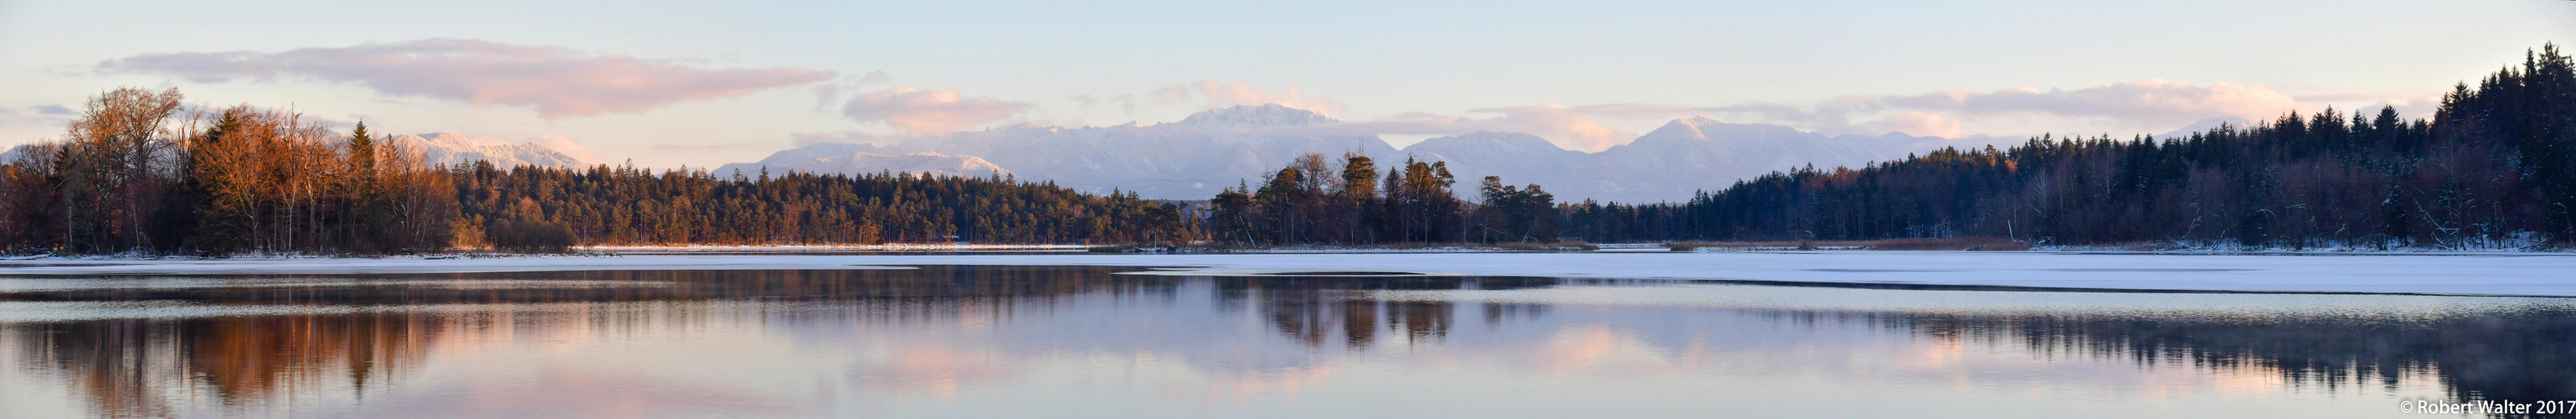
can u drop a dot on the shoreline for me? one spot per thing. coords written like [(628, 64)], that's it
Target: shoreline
[(1676, 247), (2522, 274)]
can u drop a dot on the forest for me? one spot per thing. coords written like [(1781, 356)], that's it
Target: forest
[(139, 172), (2494, 167), (1316, 200)]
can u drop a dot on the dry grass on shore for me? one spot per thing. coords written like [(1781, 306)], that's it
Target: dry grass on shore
[(1955, 243)]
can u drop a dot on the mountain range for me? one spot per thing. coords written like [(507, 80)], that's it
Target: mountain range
[(859, 159), (1195, 157), (448, 148)]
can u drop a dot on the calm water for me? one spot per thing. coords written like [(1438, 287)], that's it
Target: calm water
[(1080, 341)]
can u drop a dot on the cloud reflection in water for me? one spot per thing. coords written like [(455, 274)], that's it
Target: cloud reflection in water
[(1018, 341)]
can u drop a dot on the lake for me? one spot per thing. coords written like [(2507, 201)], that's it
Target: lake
[(1023, 341)]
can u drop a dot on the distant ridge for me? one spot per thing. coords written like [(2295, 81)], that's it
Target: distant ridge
[(448, 148), (1195, 157), (857, 159)]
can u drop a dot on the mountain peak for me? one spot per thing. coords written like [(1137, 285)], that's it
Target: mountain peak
[(861, 159), (1264, 115), (1503, 141), (1701, 130), (1681, 129), (449, 148)]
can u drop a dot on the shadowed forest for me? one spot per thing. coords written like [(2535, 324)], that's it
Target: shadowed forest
[(141, 172), (2495, 166)]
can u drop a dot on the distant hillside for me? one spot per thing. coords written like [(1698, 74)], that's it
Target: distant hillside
[(1195, 157), (859, 159), (2493, 168), (448, 148), (1190, 159), (1667, 164)]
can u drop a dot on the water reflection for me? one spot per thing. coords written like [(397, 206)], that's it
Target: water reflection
[(1019, 341)]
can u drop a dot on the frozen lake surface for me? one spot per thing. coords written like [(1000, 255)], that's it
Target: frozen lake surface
[(812, 336), (2530, 274)]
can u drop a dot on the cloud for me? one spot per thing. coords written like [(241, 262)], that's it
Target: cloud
[(1918, 123), (1211, 94), (2145, 105), (1127, 104), (723, 146), (338, 125), (2152, 104), (31, 119), (558, 82), (802, 139), (568, 147), (918, 111), (2147, 102), (1569, 128), (38, 117), (871, 79), (826, 93)]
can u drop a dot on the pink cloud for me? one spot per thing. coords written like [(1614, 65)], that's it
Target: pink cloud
[(1569, 128), (826, 93), (2148, 102), (558, 82), (918, 111), (1918, 123), (2151, 104), (569, 147)]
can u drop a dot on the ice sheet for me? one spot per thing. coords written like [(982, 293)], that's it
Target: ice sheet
[(2539, 274)]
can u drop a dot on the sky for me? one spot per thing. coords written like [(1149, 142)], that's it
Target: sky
[(671, 83)]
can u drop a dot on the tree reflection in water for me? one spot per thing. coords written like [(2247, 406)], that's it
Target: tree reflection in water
[(382, 328)]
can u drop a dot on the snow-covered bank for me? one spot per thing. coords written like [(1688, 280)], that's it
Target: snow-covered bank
[(2503, 274)]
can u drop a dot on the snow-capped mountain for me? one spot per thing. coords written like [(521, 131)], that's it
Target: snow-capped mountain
[(1519, 158), (860, 159), (1269, 115), (11, 156), (1668, 164), (1208, 151), (1695, 154), (1191, 159), (448, 148)]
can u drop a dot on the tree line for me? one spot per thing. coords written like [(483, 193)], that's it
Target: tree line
[(625, 205), (2494, 166), (1317, 200), (132, 175), (139, 172)]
